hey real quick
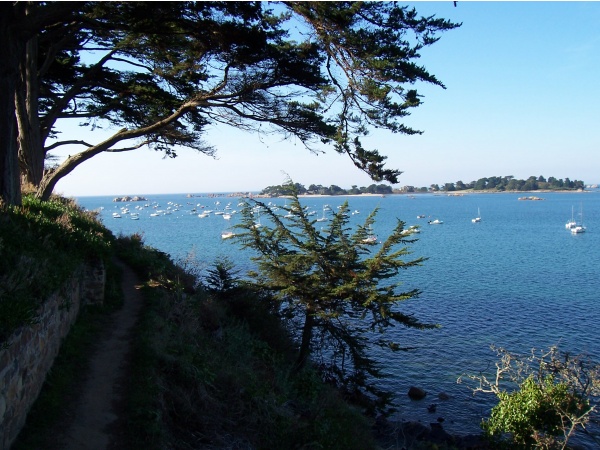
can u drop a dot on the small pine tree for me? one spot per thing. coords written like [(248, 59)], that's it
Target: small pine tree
[(338, 287)]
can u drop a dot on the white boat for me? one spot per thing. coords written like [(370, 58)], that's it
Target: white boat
[(227, 234), (204, 214), (371, 237), (257, 223), (323, 218), (435, 222), (410, 230), (226, 216), (116, 216), (478, 218), (579, 228), (571, 223)]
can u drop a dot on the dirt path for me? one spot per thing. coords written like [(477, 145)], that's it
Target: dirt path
[(96, 412)]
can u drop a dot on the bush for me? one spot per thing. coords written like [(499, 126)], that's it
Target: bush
[(554, 395), (534, 413)]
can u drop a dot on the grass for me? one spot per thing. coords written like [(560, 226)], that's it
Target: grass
[(41, 244), (213, 370)]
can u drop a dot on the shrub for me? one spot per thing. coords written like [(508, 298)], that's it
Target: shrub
[(553, 396)]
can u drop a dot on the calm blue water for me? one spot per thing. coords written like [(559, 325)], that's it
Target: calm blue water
[(518, 279)]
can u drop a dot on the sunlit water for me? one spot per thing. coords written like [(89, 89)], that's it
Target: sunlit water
[(518, 279)]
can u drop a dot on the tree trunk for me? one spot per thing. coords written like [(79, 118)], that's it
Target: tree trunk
[(31, 149), (53, 176), (10, 186), (307, 329)]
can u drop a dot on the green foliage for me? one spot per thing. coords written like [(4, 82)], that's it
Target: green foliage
[(154, 265), (340, 291), (221, 279), (218, 366), (41, 243), (534, 411), (550, 397), (286, 189), (509, 183)]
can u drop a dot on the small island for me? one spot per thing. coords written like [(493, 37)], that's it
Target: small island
[(488, 185), (136, 198)]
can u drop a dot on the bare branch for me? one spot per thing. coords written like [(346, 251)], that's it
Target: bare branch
[(127, 149), (61, 143)]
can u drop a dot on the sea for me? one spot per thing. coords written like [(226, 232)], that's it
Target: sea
[(518, 279)]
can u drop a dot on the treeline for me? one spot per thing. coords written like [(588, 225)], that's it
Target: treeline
[(317, 189), (507, 183)]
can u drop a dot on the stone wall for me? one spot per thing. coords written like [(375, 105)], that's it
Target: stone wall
[(30, 351)]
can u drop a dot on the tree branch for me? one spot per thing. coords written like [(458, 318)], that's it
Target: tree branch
[(60, 105), (71, 142)]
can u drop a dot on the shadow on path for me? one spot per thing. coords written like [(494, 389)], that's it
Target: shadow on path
[(101, 392)]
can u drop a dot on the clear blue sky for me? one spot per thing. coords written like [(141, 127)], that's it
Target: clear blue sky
[(522, 99)]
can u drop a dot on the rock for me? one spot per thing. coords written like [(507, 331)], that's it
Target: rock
[(443, 396), (415, 430), (472, 442), (439, 435), (137, 198), (416, 393)]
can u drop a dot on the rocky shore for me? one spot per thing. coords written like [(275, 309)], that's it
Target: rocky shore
[(136, 198), (407, 434)]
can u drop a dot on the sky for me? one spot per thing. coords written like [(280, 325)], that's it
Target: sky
[(522, 98)]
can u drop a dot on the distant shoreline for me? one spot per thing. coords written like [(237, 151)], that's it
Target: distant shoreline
[(412, 194), (443, 193), (539, 191), (341, 195)]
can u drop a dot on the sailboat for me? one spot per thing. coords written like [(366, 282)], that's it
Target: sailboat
[(478, 218), (371, 237), (579, 228), (323, 219), (257, 223), (227, 234), (571, 223)]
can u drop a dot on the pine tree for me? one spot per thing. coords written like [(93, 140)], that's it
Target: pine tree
[(339, 289)]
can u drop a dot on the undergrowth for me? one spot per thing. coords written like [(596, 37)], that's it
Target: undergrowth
[(213, 370), (41, 244)]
